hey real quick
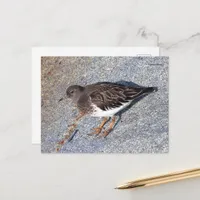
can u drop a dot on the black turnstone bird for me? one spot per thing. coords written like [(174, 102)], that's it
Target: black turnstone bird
[(104, 100)]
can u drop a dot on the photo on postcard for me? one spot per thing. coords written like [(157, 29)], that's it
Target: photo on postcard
[(104, 104)]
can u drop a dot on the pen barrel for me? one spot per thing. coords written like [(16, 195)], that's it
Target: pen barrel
[(169, 179), (163, 179), (184, 173)]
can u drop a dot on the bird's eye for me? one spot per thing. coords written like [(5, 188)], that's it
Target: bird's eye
[(72, 91)]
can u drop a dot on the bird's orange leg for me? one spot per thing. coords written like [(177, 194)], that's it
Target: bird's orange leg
[(77, 119), (69, 132), (110, 128), (100, 127)]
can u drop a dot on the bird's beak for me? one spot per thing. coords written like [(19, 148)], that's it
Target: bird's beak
[(64, 98)]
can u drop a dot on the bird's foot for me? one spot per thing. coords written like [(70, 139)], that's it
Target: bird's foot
[(66, 137), (71, 129), (111, 126), (61, 143), (105, 133), (96, 131), (72, 125)]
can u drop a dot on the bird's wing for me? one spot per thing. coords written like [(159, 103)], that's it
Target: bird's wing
[(107, 96)]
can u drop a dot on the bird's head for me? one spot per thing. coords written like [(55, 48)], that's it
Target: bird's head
[(74, 92)]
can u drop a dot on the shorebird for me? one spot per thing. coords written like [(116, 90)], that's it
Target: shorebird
[(103, 99)]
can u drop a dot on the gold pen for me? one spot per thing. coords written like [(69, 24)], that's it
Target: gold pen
[(156, 180)]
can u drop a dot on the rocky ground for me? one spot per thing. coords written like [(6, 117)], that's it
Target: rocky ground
[(142, 129)]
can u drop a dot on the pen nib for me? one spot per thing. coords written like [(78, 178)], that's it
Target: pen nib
[(121, 187), (129, 186)]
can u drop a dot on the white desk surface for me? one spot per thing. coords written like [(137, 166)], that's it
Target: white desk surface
[(173, 25)]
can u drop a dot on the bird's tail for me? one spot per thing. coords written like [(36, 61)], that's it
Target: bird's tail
[(150, 90)]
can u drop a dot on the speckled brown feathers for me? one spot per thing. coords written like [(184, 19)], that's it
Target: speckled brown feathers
[(109, 95)]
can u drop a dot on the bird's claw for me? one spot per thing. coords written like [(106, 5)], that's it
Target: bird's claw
[(72, 125), (96, 131), (105, 133)]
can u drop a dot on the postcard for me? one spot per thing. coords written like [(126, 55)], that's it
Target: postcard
[(104, 104)]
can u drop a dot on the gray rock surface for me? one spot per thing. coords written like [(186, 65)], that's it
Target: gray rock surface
[(142, 129)]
